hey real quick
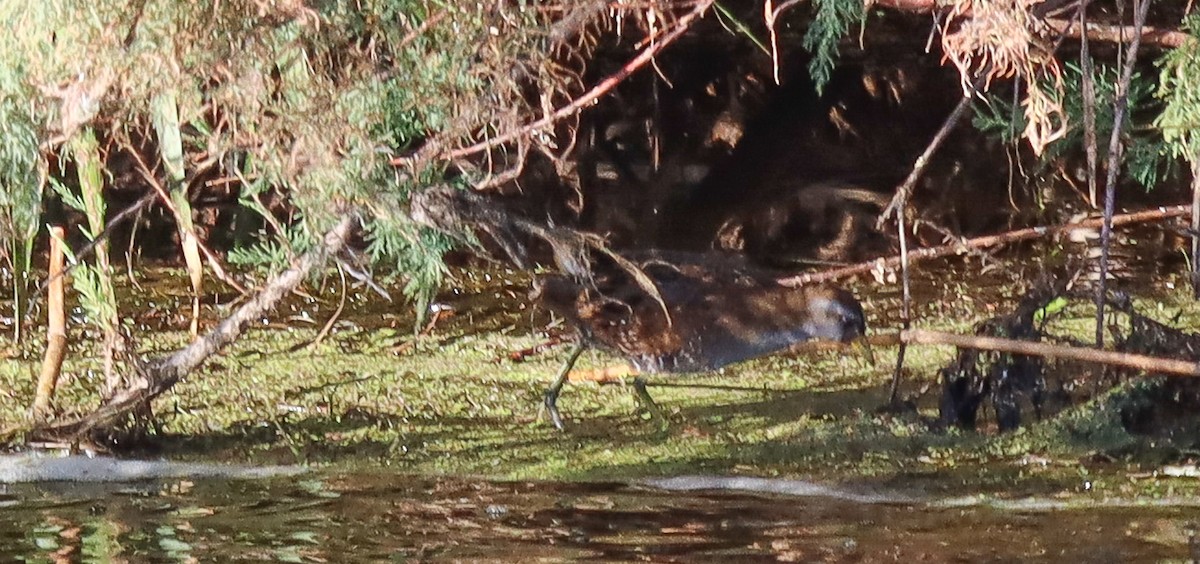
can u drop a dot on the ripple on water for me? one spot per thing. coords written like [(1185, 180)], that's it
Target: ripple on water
[(381, 516)]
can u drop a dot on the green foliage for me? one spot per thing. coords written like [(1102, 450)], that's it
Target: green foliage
[(93, 281), (1145, 160), (830, 24), (304, 101), (998, 118), (95, 292), (1179, 89), (272, 253), (417, 252), (20, 164), (1148, 161), (20, 185)]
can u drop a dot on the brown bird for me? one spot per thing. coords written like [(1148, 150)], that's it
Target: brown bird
[(716, 310)]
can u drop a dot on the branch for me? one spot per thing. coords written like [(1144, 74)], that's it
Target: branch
[(160, 375), (1142, 362), (90, 247), (1158, 37), (1155, 36), (922, 162), (984, 242), (1151, 364), (578, 104)]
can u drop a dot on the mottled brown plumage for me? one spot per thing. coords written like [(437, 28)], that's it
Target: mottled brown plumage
[(721, 311)]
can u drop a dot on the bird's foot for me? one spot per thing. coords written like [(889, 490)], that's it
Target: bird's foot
[(551, 403), (648, 405)]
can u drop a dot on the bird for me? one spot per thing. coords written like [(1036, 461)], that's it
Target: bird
[(711, 310)]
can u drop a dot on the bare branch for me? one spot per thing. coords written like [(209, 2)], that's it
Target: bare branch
[(1158, 37), (962, 247), (1150, 364)]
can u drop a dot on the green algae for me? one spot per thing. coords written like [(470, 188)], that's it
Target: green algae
[(453, 402)]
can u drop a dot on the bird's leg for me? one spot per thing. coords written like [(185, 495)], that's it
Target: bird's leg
[(648, 403), (551, 397)]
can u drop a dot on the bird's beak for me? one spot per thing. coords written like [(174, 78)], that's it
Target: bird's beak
[(862, 346)]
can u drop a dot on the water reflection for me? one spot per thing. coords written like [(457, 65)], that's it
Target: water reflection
[(396, 517)]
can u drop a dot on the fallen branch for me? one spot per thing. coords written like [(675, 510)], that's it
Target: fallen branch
[(570, 109), (160, 375), (1152, 364), (1145, 363), (986, 241)]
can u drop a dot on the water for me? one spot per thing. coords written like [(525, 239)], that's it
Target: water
[(385, 517)]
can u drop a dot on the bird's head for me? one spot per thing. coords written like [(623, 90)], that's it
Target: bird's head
[(834, 314)]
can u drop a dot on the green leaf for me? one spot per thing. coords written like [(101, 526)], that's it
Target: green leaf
[(830, 24)]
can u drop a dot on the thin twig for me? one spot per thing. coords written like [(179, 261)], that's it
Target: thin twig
[(1195, 235), (148, 175), (89, 248), (1114, 164), (337, 314), (421, 29), (918, 170), (983, 242), (129, 251), (770, 13), (905, 304)]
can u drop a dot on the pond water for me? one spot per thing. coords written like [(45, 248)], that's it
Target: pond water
[(376, 516), (382, 517)]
